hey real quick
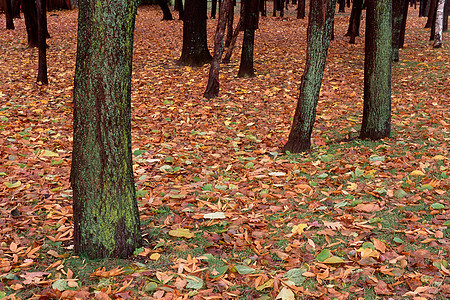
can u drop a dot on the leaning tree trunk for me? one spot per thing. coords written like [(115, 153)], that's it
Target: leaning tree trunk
[(105, 211), (31, 23), (320, 25), (439, 24), (195, 51), (42, 33), (376, 123), (212, 89), (235, 35), (9, 15), (250, 25)]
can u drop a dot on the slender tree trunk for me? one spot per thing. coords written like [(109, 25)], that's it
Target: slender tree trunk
[(446, 13), (376, 123), (397, 18), (42, 33), (263, 8), (213, 8), (355, 21), (195, 51), (439, 24), (238, 28), (320, 23), (341, 6), (230, 20), (212, 89), (105, 211), (422, 8), (250, 25), (403, 28), (167, 15), (431, 13), (9, 15), (30, 14), (301, 9), (180, 9), (16, 8)]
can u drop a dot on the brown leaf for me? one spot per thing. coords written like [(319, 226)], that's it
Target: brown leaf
[(368, 207), (382, 288)]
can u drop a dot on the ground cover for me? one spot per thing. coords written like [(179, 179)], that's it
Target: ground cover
[(224, 214)]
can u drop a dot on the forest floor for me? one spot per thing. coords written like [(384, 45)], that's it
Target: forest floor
[(224, 214)]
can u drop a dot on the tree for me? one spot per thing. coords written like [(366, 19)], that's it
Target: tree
[(212, 89), (376, 123), (320, 25), (42, 37), (105, 212), (397, 18), (167, 15), (9, 15), (301, 9), (195, 51), (439, 24), (250, 25), (341, 6), (355, 20), (31, 23)]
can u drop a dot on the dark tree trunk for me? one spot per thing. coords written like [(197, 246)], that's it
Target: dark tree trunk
[(281, 8), (431, 13), (397, 18), (376, 123), (250, 25), (341, 6), (403, 28), (263, 8), (9, 15), (294, 2), (16, 8), (105, 211), (320, 23), (212, 89), (355, 21), (30, 14), (230, 19), (213, 8), (42, 33), (195, 51), (348, 3), (446, 13), (301, 9), (167, 15), (276, 3), (180, 9), (238, 28), (422, 8)]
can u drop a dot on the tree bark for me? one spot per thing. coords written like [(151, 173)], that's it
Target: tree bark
[(422, 8), (403, 28), (238, 28), (167, 15), (42, 34), (195, 51), (446, 13), (212, 89), (213, 9), (230, 19), (355, 21), (9, 15), (180, 9), (431, 12), (376, 123), (30, 14), (341, 6), (320, 25), (105, 211), (397, 18), (301, 9), (439, 24), (250, 25)]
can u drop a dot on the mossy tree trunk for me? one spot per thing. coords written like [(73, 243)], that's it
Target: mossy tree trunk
[(320, 26), (106, 217), (195, 51), (250, 25), (376, 123)]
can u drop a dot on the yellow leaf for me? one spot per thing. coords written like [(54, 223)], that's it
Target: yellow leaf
[(181, 232), (417, 173), (439, 157), (48, 153), (13, 185), (333, 260), (298, 229), (286, 294), (155, 256)]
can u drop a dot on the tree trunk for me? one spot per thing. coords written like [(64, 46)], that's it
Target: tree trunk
[(301, 9), (320, 23), (431, 12), (397, 18), (180, 9), (9, 15), (239, 25), (30, 14), (355, 21), (341, 6), (263, 8), (195, 51), (439, 24), (167, 15), (422, 8), (230, 19), (42, 34), (403, 28), (376, 123), (213, 9), (212, 89), (105, 211), (446, 13), (250, 25)]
